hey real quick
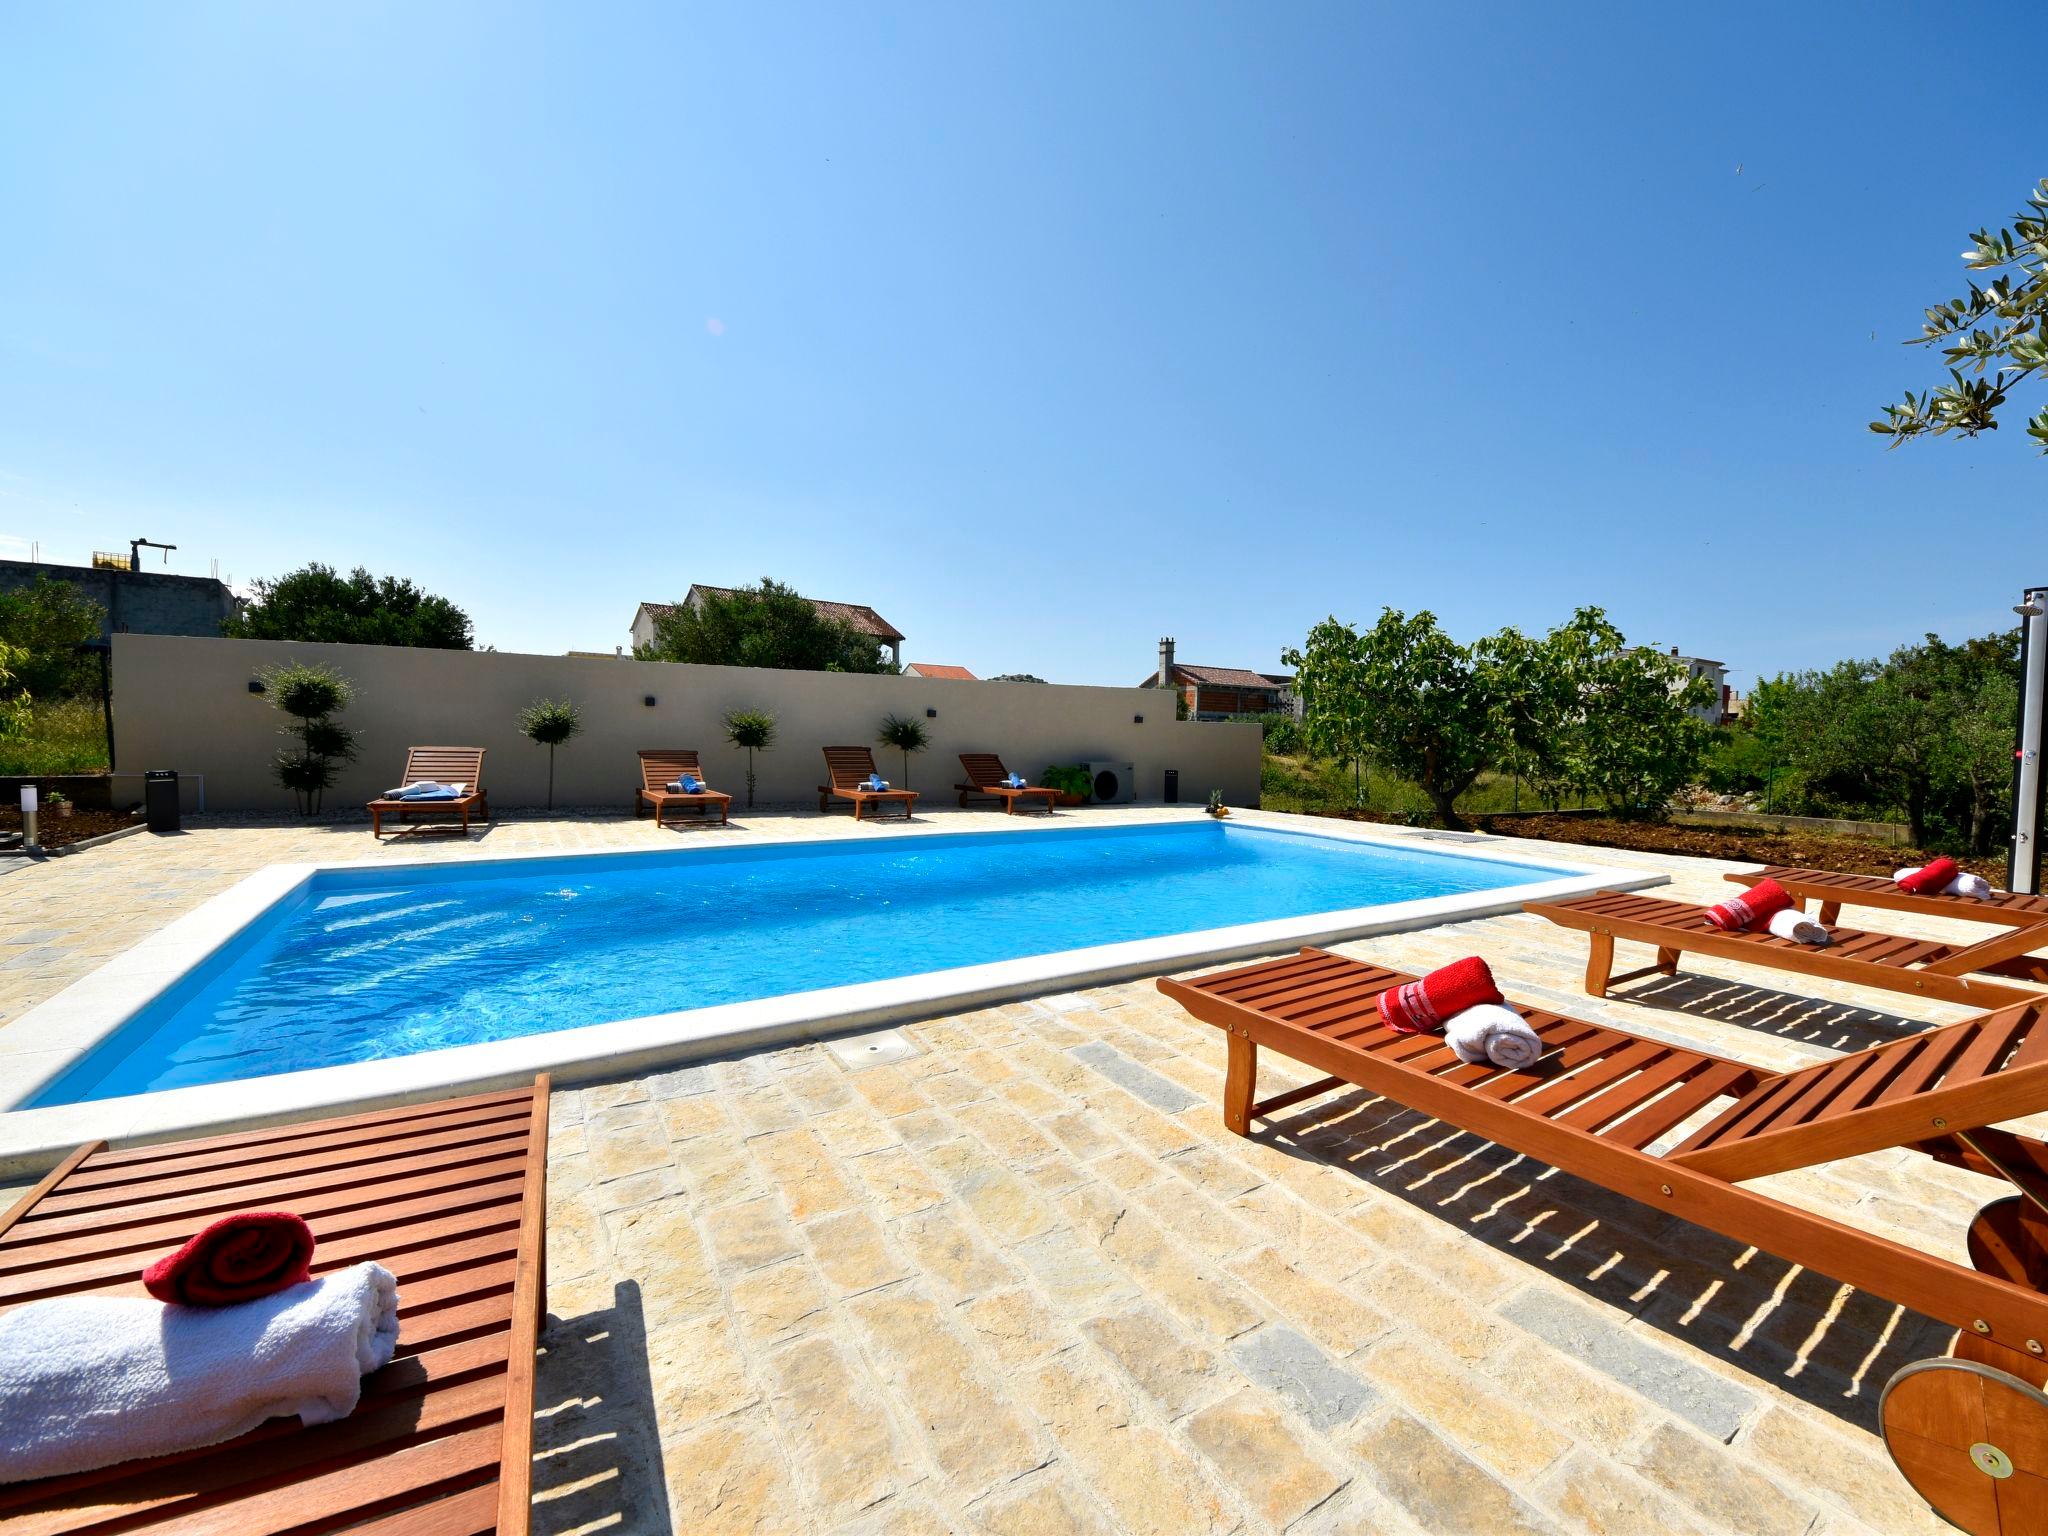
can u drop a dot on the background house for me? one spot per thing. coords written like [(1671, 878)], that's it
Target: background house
[(137, 602), (859, 615), (1222, 693), (1722, 710), (940, 669)]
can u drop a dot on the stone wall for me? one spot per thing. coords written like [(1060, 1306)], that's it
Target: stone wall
[(136, 602)]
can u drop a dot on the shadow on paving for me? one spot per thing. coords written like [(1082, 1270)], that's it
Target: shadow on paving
[(1811, 1021), (597, 1461), (1820, 1341)]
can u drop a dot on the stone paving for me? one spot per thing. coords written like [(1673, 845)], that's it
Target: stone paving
[(1018, 1278)]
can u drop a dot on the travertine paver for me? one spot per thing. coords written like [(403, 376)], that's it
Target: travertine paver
[(1024, 1281)]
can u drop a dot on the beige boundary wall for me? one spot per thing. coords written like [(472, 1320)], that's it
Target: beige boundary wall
[(182, 702)]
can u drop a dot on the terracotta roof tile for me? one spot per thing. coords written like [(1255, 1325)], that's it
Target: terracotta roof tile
[(941, 669)]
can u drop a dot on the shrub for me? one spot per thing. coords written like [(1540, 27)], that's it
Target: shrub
[(1283, 735), (1069, 779)]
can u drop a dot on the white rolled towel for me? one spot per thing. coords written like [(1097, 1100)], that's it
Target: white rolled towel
[(88, 1381), (1493, 1032), (1795, 925), (1976, 887)]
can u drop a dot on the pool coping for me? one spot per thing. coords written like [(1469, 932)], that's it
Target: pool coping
[(49, 1038)]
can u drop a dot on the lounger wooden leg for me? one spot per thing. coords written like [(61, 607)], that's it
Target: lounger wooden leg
[(1667, 961), (1599, 964), (1240, 1079), (1829, 911)]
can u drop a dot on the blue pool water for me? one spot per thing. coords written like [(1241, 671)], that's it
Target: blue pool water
[(370, 963)]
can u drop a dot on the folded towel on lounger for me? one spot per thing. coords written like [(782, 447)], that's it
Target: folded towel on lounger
[(438, 792), (235, 1259), (1791, 923), (1928, 878), (1493, 1032), (875, 782), (1975, 887), (415, 787), (688, 784), (1752, 909), (1418, 1007), (87, 1381), (1014, 781)]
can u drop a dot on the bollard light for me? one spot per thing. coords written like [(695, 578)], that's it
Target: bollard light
[(28, 817)]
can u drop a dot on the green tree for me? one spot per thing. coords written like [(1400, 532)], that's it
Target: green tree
[(317, 604), (48, 621), (770, 625), (906, 736), (1993, 337), (1334, 708), (1427, 711), (17, 706), (549, 723), (312, 696), (1640, 740), (753, 730)]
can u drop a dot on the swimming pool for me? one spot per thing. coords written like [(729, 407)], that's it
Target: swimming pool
[(367, 963)]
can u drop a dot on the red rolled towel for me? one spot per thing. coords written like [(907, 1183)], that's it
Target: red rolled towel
[(1754, 908), (1420, 1007), (1933, 877), (238, 1258)]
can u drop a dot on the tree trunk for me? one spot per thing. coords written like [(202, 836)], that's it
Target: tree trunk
[(551, 778), (1446, 808)]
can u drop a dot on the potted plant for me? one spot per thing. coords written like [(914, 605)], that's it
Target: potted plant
[(906, 736), (549, 723), (59, 803), (1216, 805), (1072, 780), (753, 729)]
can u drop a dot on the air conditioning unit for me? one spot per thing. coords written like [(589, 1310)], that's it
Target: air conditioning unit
[(1114, 783)]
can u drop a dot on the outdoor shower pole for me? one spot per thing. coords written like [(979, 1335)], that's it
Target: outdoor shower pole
[(2023, 873)]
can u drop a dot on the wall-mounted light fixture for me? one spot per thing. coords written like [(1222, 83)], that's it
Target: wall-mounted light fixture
[(1137, 719), (931, 714), (256, 685), (648, 701)]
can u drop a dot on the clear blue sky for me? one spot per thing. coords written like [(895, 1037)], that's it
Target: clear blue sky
[(1044, 329)]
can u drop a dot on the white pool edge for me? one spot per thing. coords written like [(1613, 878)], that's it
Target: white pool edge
[(48, 1039)]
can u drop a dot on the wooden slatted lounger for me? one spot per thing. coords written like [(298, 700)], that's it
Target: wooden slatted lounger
[(444, 765), (450, 1197), (663, 766), (1888, 961), (1834, 892), (1601, 1100), (848, 768), (985, 774)]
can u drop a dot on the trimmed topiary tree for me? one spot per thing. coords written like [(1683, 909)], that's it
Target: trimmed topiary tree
[(549, 723), (754, 730), (906, 736), (312, 696)]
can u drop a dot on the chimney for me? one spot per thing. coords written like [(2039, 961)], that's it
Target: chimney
[(1166, 661)]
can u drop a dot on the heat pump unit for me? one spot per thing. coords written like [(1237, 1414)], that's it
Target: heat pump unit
[(1115, 783)]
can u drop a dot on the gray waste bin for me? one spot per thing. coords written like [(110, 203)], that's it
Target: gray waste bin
[(160, 799)]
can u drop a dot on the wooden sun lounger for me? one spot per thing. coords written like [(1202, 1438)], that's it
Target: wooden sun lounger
[(661, 767), (848, 768), (444, 765), (1601, 1101), (1889, 961), (449, 1196), (985, 774), (1834, 892)]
